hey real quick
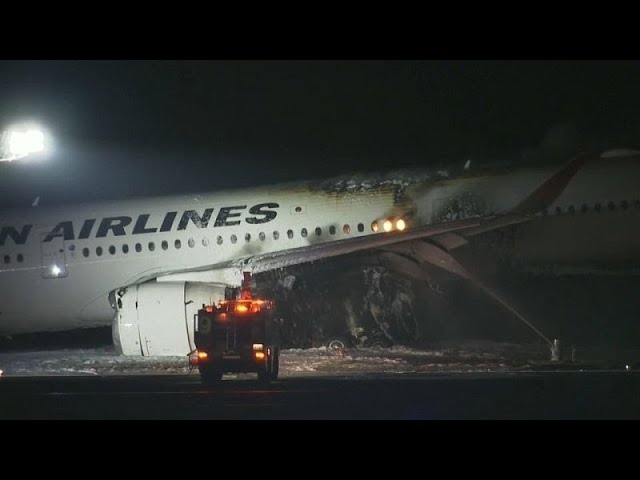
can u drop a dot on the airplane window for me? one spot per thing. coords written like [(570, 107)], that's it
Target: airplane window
[(298, 209), (262, 236), (360, 227), (346, 229), (20, 258), (572, 209), (303, 232), (219, 240), (374, 226), (276, 235), (177, 244), (7, 259), (152, 246), (624, 204), (612, 206), (164, 245), (98, 251), (112, 250), (192, 243), (234, 239), (558, 209), (332, 230), (138, 247), (318, 231), (125, 248), (290, 233), (72, 247), (205, 241), (247, 237), (85, 251), (596, 207), (584, 208)]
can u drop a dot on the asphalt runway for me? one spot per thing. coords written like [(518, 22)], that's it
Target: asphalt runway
[(535, 395)]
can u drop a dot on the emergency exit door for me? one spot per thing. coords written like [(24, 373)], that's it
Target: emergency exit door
[(54, 262)]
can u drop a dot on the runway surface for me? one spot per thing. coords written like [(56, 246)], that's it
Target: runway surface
[(531, 395)]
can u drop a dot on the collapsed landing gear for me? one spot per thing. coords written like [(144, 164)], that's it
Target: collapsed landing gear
[(337, 343), (342, 342)]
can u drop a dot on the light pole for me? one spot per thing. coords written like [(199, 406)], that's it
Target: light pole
[(21, 141)]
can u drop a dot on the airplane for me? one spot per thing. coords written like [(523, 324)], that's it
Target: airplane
[(144, 266)]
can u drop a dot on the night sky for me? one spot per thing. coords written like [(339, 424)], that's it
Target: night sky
[(126, 128)]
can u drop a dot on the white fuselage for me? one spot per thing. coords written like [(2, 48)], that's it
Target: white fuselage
[(58, 265)]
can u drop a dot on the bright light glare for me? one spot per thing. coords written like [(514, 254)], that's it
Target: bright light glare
[(23, 140), (401, 224), (26, 142), (55, 270), (387, 225), (242, 308)]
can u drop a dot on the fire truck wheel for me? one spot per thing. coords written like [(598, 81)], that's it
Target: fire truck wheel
[(264, 374), (210, 377), (275, 365)]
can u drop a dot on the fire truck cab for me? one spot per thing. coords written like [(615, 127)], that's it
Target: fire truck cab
[(237, 336)]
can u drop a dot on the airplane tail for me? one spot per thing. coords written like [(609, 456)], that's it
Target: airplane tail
[(545, 194)]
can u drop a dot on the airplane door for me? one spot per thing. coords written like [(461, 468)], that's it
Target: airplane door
[(54, 261)]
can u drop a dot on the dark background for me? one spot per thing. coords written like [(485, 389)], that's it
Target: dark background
[(130, 127)]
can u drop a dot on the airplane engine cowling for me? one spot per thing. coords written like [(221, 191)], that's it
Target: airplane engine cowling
[(157, 319)]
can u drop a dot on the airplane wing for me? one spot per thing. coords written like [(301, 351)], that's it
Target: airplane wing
[(270, 261)]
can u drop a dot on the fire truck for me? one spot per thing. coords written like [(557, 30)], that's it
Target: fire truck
[(240, 334)]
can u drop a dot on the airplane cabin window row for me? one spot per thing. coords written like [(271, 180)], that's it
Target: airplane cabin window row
[(19, 258), (191, 242), (624, 205)]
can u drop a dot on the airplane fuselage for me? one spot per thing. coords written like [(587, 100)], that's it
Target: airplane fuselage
[(58, 265)]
